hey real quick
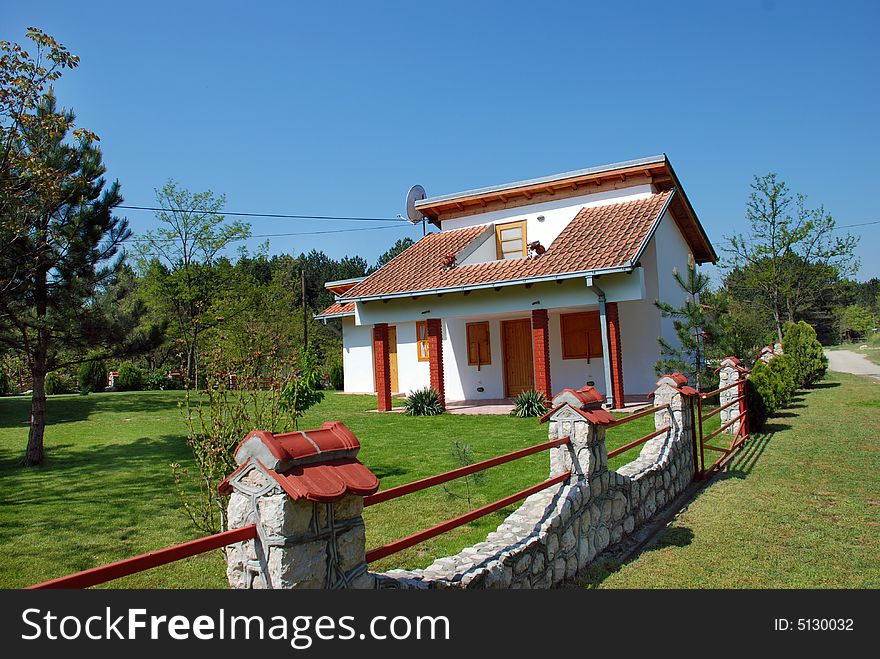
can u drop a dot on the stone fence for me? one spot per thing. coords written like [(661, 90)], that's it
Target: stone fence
[(305, 494)]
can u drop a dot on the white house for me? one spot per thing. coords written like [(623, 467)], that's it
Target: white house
[(540, 284)]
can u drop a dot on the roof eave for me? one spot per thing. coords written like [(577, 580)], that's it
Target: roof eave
[(626, 268)]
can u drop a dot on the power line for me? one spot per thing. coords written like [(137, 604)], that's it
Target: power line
[(860, 224), (273, 215), (141, 239)]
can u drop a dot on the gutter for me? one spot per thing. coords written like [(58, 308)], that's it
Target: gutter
[(626, 268), (603, 322)]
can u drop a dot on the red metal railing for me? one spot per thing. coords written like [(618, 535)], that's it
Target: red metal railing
[(424, 483), (152, 559), (741, 435), (640, 440)]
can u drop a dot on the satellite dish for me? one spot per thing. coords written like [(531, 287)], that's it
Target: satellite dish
[(416, 193)]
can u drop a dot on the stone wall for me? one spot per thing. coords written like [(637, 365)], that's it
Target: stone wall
[(556, 533)]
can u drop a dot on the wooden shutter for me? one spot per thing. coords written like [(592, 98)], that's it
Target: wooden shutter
[(581, 335), (478, 344), (422, 341)]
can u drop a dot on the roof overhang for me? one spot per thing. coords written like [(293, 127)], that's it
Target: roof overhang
[(342, 285), (654, 170), (626, 268)]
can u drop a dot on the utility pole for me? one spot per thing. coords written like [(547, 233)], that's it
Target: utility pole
[(305, 309)]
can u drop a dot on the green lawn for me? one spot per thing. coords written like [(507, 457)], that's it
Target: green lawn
[(799, 507), (106, 491)]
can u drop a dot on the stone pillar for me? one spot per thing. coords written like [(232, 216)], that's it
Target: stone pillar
[(307, 509), (674, 391), (381, 358), (435, 358), (541, 351), (615, 357), (730, 373)]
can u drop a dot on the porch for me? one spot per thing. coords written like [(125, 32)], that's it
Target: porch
[(479, 363)]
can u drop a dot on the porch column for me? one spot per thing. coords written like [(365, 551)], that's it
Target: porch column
[(382, 366), (615, 355), (541, 352), (435, 359)]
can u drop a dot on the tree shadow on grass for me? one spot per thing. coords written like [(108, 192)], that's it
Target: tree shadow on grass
[(825, 385), (16, 412), (89, 493)]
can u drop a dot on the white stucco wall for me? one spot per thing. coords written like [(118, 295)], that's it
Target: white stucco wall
[(672, 252), (357, 356)]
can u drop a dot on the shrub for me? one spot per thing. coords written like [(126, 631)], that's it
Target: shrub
[(92, 376), (4, 383), (757, 410), (529, 403), (774, 383), (56, 383), (808, 361), (422, 402), (131, 377), (337, 376)]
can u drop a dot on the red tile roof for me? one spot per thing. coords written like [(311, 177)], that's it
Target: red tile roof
[(599, 237), (337, 309)]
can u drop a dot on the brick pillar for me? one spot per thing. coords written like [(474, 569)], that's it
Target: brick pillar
[(541, 352), (616, 356), (382, 366), (435, 358)]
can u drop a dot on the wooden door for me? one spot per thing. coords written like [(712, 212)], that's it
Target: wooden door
[(519, 370), (392, 357)]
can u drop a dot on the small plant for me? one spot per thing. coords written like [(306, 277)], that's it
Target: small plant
[(422, 402), (529, 403), (92, 376), (337, 376), (304, 390), (464, 457), (131, 377)]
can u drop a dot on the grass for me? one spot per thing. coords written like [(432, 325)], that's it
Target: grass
[(798, 508), (106, 491)]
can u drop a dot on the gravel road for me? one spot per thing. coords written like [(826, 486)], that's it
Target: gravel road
[(847, 361)]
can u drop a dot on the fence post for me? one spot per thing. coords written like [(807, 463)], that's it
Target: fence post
[(578, 415), (673, 390), (304, 492), (731, 372)]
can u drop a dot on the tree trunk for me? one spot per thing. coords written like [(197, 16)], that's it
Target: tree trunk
[(34, 454)]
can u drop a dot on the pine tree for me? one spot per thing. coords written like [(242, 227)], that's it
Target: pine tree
[(64, 255), (695, 327)]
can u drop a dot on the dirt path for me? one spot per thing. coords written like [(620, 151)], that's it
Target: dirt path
[(846, 361)]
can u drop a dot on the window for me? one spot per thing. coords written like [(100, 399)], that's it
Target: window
[(581, 335), (510, 240), (478, 344), (422, 340)]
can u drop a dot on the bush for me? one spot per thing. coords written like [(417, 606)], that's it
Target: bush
[(131, 377), (56, 383), (529, 403), (92, 376), (304, 390), (757, 410), (422, 402), (337, 376), (4, 383), (808, 361), (774, 383)]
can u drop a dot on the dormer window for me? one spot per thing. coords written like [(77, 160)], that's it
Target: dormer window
[(510, 240)]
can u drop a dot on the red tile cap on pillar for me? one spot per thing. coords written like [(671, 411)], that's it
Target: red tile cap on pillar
[(585, 397), (318, 465)]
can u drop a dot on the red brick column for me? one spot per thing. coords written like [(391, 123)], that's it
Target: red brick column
[(541, 351), (616, 356), (435, 358), (382, 366)]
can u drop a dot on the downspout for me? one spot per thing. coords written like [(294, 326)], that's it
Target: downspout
[(603, 324)]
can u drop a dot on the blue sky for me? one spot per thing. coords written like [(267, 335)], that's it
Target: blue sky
[(337, 108)]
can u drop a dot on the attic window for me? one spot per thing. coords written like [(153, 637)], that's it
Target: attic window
[(510, 240)]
